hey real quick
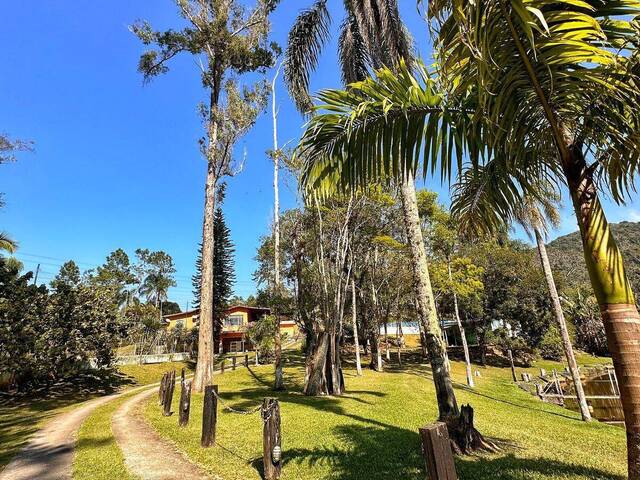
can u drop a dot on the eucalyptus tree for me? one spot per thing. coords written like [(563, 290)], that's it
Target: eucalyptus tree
[(372, 36), (544, 90), (226, 40)]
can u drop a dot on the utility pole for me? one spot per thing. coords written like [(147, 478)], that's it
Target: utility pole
[(35, 278)]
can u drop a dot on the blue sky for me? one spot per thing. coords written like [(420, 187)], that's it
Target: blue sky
[(116, 163)]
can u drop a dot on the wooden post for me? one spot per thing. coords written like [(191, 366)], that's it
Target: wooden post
[(257, 359), (233, 363), (246, 359), (185, 402), (209, 416), (513, 367), (163, 383), (222, 366), (436, 449), (539, 391), (543, 373), (271, 439), (168, 396)]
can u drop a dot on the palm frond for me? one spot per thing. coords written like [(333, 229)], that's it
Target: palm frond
[(306, 39), (377, 129), (548, 75), (352, 52), (7, 243)]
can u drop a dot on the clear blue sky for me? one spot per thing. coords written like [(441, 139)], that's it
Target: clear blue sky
[(116, 163)]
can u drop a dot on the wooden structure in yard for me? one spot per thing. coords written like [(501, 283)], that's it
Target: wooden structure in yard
[(600, 387), (436, 449)]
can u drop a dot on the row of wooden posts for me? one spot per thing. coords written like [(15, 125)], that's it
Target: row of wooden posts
[(270, 414), (436, 446)]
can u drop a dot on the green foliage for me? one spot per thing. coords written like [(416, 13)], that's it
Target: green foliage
[(48, 336), (550, 347), (117, 273), (262, 334), (584, 312), (156, 269)]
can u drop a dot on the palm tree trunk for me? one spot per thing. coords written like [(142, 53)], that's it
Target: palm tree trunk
[(447, 404), (613, 291), (562, 325), (465, 346), (355, 326), (279, 376), (204, 367)]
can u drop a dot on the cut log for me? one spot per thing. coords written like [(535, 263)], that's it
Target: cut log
[(436, 449), (271, 439), (185, 402), (168, 394), (209, 416)]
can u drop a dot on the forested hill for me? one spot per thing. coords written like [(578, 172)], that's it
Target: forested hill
[(566, 255)]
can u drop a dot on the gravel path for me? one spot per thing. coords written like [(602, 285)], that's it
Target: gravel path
[(49, 454), (146, 454)]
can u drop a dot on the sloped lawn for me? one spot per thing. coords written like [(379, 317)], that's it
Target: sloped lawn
[(371, 432)]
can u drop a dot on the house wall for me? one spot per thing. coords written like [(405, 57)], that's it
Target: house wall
[(188, 322)]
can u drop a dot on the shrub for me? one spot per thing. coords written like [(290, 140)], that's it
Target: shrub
[(550, 347)]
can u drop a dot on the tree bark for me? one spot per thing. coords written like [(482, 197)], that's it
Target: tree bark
[(447, 404), (613, 292), (562, 325), (355, 326), (465, 346), (204, 367), (315, 382), (279, 376)]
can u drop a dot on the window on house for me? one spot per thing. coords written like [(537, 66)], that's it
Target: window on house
[(235, 347), (233, 320)]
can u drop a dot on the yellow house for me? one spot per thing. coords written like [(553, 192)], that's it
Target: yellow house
[(236, 322)]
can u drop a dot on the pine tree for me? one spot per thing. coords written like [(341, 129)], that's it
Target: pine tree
[(223, 272)]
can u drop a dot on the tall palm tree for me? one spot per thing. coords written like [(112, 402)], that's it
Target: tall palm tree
[(372, 36), (542, 88), (7, 243), (534, 215)]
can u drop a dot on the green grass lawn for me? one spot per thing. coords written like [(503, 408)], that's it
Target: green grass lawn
[(371, 432), (20, 418)]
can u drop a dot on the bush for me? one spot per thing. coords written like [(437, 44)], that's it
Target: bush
[(550, 347)]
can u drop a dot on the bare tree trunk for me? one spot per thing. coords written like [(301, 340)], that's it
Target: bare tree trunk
[(386, 341), (279, 376), (562, 325), (315, 381), (355, 326), (465, 347), (447, 404), (204, 367)]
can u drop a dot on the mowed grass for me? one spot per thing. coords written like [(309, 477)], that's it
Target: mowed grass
[(372, 431), (21, 418), (97, 455)]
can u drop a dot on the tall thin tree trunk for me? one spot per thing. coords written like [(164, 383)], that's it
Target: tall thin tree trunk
[(465, 346), (615, 297), (447, 404), (204, 367), (279, 376), (386, 341), (355, 325), (562, 325)]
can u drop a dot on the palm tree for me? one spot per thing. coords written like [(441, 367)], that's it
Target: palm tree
[(534, 215), (7, 243), (373, 35), (546, 90)]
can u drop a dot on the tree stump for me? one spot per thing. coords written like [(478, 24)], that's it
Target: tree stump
[(185, 403), (465, 439), (209, 416), (436, 449), (168, 394), (271, 439)]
